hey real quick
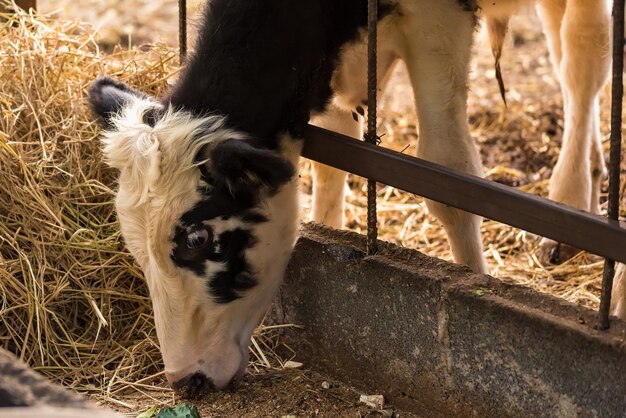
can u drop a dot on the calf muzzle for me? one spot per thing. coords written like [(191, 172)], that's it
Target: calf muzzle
[(193, 385)]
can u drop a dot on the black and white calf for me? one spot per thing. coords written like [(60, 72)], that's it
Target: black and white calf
[(207, 195)]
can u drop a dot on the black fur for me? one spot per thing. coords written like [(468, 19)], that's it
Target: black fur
[(227, 285), (266, 64), (237, 164), (107, 96), (469, 5), (229, 249)]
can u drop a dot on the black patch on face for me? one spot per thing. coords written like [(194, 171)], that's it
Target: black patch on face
[(228, 248), (237, 164), (266, 65), (254, 217), (227, 285)]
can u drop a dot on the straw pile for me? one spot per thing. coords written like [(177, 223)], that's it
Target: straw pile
[(73, 304)]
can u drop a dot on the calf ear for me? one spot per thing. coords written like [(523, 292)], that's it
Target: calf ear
[(237, 164), (107, 96)]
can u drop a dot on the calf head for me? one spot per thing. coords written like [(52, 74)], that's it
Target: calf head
[(211, 218)]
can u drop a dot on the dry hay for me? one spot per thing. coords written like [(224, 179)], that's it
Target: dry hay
[(118, 23), (73, 304)]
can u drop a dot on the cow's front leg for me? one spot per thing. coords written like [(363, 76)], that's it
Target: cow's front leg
[(618, 295), (436, 50), (328, 182), (580, 52), (344, 115)]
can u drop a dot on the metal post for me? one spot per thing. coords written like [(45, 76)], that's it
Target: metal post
[(27, 4), (617, 94), (182, 30), (370, 135)]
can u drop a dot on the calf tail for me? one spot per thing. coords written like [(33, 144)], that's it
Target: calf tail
[(497, 29)]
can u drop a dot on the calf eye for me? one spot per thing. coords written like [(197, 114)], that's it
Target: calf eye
[(197, 239)]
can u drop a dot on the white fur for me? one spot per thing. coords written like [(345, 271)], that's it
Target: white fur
[(618, 296), (578, 36), (328, 201)]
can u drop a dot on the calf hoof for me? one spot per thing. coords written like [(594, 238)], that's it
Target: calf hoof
[(552, 252)]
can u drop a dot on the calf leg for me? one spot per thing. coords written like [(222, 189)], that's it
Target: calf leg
[(581, 57), (598, 165), (618, 296), (342, 115), (551, 13), (328, 182), (436, 50)]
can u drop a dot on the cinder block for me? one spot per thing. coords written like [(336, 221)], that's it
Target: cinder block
[(439, 340)]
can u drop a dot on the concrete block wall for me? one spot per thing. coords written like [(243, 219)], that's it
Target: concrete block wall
[(439, 340)]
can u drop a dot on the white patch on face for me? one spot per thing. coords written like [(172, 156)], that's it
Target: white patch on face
[(220, 226), (159, 182), (213, 267)]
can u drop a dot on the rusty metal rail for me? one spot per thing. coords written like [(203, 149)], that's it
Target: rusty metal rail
[(615, 155), (182, 30), (371, 137), (492, 200)]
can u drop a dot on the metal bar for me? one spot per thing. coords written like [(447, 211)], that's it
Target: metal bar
[(473, 194), (617, 93), (182, 30), (370, 136)]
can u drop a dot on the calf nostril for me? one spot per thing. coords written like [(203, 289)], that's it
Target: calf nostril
[(194, 385)]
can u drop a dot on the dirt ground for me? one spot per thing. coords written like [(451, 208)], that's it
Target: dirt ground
[(286, 393), (519, 146)]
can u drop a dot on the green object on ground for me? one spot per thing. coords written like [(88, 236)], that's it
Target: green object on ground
[(182, 410), (148, 413)]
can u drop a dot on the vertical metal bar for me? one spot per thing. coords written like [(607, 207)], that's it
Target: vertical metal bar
[(617, 94), (27, 4), (370, 135), (182, 30)]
